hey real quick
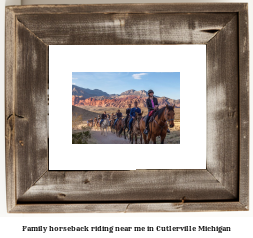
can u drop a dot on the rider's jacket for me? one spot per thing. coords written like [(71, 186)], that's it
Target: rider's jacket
[(149, 103), (103, 116), (119, 115), (128, 111), (134, 110)]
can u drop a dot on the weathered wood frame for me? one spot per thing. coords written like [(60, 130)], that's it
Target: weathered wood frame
[(223, 186)]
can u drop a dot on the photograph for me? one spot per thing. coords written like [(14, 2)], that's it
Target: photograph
[(125, 107), (88, 86)]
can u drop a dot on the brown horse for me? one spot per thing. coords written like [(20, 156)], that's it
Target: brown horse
[(95, 122), (125, 125), (98, 124), (159, 126), (136, 129), (119, 126), (112, 123), (90, 123)]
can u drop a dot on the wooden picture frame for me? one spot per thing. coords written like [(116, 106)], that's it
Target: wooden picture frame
[(222, 186)]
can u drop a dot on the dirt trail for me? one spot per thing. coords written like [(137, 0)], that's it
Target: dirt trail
[(109, 139), (172, 138)]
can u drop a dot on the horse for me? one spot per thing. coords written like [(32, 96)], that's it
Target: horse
[(159, 126), (90, 123), (119, 127), (136, 128), (95, 123), (111, 124), (104, 126), (125, 125), (98, 123)]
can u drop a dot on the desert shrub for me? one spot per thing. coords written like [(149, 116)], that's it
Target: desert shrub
[(81, 137)]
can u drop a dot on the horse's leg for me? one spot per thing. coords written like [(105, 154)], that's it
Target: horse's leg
[(163, 135), (132, 138), (135, 138), (154, 139), (149, 135), (144, 138), (141, 138)]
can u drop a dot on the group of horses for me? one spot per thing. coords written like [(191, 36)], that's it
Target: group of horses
[(158, 125)]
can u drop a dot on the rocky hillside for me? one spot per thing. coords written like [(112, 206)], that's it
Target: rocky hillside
[(86, 93), (86, 115), (98, 98), (142, 93), (120, 101)]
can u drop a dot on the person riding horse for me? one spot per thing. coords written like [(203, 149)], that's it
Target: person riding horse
[(112, 116), (90, 122), (152, 105), (104, 116), (119, 115), (95, 121), (134, 110), (127, 113)]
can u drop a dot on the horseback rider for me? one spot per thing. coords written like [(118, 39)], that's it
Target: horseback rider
[(103, 116), (127, 113), (152, 105), (134, 110), (119, 115), (112, 116)]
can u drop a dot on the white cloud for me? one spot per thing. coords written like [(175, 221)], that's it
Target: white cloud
[(74, 78), (138, 76), (73, 84)]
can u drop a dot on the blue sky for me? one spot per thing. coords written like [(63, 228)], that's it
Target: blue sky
[(163, 83)]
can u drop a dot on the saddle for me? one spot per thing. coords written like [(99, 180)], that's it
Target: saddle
[(151, 119)]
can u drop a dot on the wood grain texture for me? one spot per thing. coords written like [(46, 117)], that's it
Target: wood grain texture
[(139, 185), (30, 108), (120, 29), (9, 109), (129, 207), (153, 8), (244, 107), (223, 186), (222, 107)]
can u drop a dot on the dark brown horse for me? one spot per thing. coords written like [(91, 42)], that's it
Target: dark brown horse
[(125, 126), (136, 129), (159, 126), (119, 126), (111, 124)]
